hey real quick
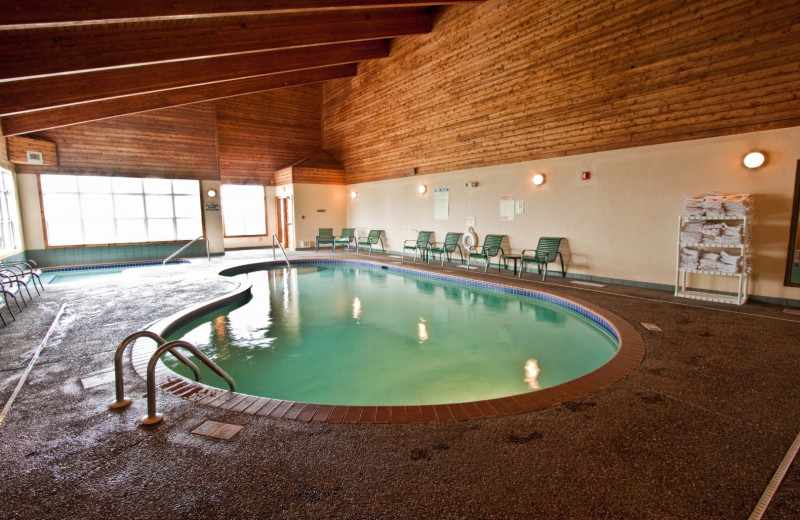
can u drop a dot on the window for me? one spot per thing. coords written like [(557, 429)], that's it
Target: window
[(9, 226), (86, 210), (243, 211)]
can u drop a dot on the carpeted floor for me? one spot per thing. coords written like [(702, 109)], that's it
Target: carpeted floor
[(696, 431)]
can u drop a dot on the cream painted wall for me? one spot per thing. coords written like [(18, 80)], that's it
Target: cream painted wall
[(212, 219), (621, 223), (317, 206), (31, 209)]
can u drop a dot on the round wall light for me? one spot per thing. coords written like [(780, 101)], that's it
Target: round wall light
[(422, 188), (754, 160), (539, 179), (353, 194), (211, 193)]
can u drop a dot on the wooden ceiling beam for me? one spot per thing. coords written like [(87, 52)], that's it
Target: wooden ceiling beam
[(73, 114), (51, 51), (16, 14), (40, 93)]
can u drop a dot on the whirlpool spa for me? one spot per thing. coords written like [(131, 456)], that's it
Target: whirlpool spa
[(362, 341)]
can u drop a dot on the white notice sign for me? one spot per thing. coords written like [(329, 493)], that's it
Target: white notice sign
[(441, 203)]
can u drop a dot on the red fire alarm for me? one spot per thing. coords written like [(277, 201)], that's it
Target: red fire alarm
[(585, 175)]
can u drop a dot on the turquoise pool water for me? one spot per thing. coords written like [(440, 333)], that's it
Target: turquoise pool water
[(369, 336), (96, 273)]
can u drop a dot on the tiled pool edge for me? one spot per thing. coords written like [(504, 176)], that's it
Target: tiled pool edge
[(630, 353)]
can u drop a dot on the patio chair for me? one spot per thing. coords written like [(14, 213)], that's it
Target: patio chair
[(325, 236), (448, 247), (489, 249), (546, 252), (421, 245), (27, 270), (371, 240), (346, 239), (6, 294)]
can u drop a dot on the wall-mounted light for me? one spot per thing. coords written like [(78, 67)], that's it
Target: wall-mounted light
[(470, 184), (754, 160), (353, 194), (211, 193), (422, 188), (538, 179)]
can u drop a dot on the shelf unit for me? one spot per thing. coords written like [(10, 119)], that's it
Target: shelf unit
[(684, 276)]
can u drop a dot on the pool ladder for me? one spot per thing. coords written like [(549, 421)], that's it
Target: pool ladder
[(164, 346)]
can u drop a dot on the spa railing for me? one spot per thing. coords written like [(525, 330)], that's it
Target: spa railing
[(274, 257), (179, 251)]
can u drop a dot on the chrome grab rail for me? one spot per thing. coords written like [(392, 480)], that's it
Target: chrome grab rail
[(152, 416), (274, 257), (121, 402), (163, 347), (176, 253)]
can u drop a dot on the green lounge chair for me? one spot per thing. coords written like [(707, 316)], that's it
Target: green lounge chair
[(325, 236), (346, 239), (546, 252), (489, 249), (371, 240), (421, 245), (448, 247)]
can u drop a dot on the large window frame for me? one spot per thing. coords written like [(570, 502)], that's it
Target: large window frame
[(10, 240), (88, 210), (244, 210)]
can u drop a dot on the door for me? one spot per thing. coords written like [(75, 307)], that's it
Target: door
[(282, 204)]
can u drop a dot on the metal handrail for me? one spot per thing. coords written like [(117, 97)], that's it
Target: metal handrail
[(152, 416), (274, 257), (176, 253), (121, 402)]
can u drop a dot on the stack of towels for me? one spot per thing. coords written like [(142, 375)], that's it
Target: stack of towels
[(720, 261), (719, 205), (690, 258), (722, 233)]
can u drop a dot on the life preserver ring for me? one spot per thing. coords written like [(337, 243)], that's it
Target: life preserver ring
[(469, 240)]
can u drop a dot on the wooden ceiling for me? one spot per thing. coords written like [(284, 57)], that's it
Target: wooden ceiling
[(64, 62)]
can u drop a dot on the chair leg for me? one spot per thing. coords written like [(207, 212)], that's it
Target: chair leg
[(544, 275)]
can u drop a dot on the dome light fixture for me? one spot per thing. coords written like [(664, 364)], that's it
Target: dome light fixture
[(211, 193), (353, 194), (754, 160), (539, 179), (422, 188)]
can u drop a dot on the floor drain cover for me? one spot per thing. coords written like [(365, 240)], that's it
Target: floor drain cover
[(97, 378), (590, 284), (217, 430), (651, 326)]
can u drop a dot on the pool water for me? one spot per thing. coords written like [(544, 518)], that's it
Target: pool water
[(367, 336), (97, 273)]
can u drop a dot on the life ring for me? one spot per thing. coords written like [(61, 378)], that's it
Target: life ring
[(469, 240)]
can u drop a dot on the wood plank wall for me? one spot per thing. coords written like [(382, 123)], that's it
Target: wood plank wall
[(508, 81), (178, 142), (261, 133)]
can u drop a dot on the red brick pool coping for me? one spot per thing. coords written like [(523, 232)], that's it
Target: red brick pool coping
[(630, 354)]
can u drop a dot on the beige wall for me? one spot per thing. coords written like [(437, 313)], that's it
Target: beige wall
[(31, 209), (309, 200), (621, 223)]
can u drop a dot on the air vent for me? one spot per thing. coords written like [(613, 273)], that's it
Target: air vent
[(35, 157)]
